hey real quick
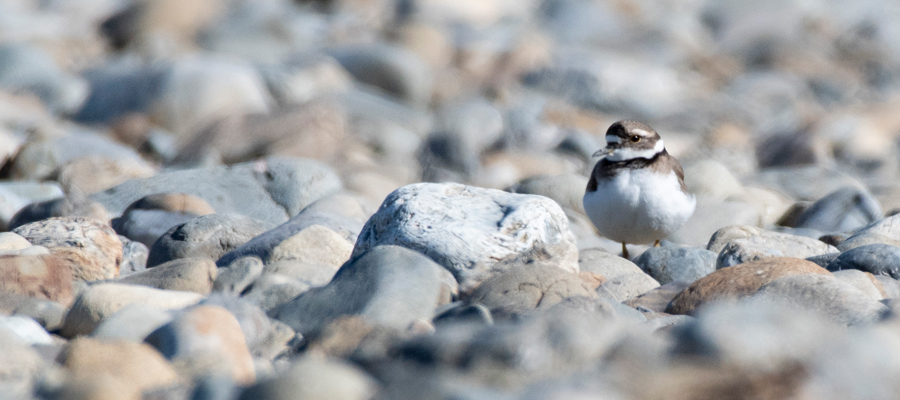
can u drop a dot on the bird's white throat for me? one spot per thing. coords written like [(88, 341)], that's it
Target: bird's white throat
[(623, 154)]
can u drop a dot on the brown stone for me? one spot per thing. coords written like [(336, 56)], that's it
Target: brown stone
[(92, 247), (203, 340), (42, 276), (525, 287), (184, 274), (130, 364), (739, 281), (172, 202)]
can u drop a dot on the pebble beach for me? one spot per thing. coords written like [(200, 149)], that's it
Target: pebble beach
[(382, 199)]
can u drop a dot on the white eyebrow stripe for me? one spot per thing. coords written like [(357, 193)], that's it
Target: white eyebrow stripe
[(641, 132), (630, 154), (613, 139)]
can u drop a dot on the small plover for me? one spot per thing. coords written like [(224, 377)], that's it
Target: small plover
[(636, 193)]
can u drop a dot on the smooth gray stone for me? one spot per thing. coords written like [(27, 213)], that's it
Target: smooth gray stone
[(238, 275), (825, 295), (391, 68), (26, 329), (261, 245), (465, 313), (26, 68), (672, 263), (842, 210), (387, 285), (209, 236), (877, 259), (272, 290), (147, 226), (824, 259), (271, 190), (117, 90)]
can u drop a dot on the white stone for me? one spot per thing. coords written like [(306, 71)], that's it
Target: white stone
[(469, 229)]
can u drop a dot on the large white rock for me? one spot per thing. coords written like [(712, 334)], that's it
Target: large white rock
[(469, 230)]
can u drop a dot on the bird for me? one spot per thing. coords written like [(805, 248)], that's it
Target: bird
[(636, 192)]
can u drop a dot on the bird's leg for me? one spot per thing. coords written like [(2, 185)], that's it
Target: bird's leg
[(624, 251), (656, 244)]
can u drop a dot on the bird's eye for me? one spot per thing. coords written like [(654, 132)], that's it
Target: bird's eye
[(635, 139)]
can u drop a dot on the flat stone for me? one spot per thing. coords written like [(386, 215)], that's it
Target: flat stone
[(659, 298), (265, 338), (147, 226), (102, 300), (208, 236), (269, 190), (184, 274), (825, 295), (743, 244), (272, 290), (92, 174), (92, 247), (27, 329), (739, 281), (523, 288), (209, 339), (48, 313), (681, 264), (466, 229), (388, 285), (566, 190)]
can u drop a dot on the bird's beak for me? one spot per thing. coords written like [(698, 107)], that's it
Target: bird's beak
[(604, 152)]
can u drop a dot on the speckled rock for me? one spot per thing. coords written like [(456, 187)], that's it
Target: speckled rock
[(93, 248), (40, 276), (739, 281), (476, 228)]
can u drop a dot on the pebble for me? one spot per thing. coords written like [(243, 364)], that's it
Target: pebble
[(47, 277), (677, 264), (739, 281), (315, 379), (133, 366), (524, 288), (825, 295), (192, 274), (92, 248), (843, 210), (102, 300), (208, 236), (878, 259), (737, 245), (368, 286), (624, 279), (238, 275), (270, 190), (480, 227), (204, 340)]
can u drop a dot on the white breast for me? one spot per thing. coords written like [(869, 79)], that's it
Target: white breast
[(639, 206)]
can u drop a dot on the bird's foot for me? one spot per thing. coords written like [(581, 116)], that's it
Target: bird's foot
[(656, 244), (624, 251)]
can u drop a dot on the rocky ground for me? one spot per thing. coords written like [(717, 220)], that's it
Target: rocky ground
[(246, 199)]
